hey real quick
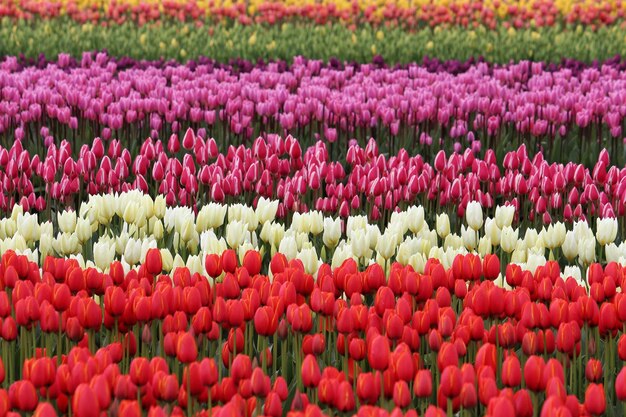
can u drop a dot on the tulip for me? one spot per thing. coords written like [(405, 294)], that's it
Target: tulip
[(311, 374), (595, 403), (422, 384), (378, 353), (606, 230), (186, 348), (84, 401), (154, 264), (620, 388), (474, 215)]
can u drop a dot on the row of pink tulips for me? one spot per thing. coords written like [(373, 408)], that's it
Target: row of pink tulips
[(192, 171), (569, 115)]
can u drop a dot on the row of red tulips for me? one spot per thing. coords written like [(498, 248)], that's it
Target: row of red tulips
[(193, 172), (264, 338)]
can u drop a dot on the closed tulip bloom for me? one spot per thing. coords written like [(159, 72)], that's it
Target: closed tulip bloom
[(570, 246), (593, 370), (84, 401), (378, 353), (606, 230), (311, 374), (468, 395), (474, 215), (451, 381), (508, 239), (252, 262), (533, 372), (504, 216), (443, 225), (368, 387), (154, 264), (45, 410), (423, 384), (344, 401), (401, 394), (332, 232), (213, 265), (511, 372), (595, 402), (501, 406), (67, 221), (186, 348), (241, 367), (620, 385), (103, 254)]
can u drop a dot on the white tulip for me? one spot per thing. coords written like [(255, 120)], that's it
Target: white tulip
[(443, 225), (332, 232), (316, 222), (67, 221), (235, 231), (504, 216), (28, 227), (587, 251), (309, 260), (469, 237), (266, 210), (288, 247), (359, 243), (415, 218), (606, 230), (103, 254), (83, 229), (132, 251), (508, 240), (386, 245), (493, 231), (570, 246), (474, 215)]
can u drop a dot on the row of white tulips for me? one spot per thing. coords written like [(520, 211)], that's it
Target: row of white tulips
[(123, 227)]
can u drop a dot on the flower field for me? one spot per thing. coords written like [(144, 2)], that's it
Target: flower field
[(390, 208)]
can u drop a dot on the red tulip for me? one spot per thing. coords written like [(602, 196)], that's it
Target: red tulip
[(511, 372), (344, 401), (620, 385), (154, 264), (378, 353), (311, 374), (595, 403), (468, 396), (140, 371), (229, 261), (186, 348), (23, 395), (491, 267), (252, 262), (260, 383), (451, 381), (241, 368), (368, 387), (213, 265), (447, 356), (501, 406), (401, 394), (84, 401), (44, 410), (533, 373), (423, 384), (273, 405), (593, 370), (128, 408), (523, 403)]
